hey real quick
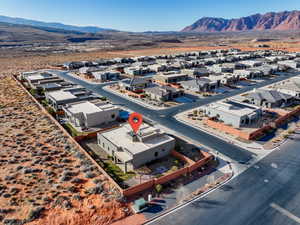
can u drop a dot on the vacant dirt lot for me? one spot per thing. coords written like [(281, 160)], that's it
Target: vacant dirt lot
[(44, 178)]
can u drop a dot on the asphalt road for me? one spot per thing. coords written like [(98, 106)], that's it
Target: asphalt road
[(265, 194), (165, 116)]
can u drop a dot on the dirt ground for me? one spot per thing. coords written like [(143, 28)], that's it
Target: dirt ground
[(13, 65), (44, 178)]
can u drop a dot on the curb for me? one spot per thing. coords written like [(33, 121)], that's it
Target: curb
[(191, 200), (215, 135)]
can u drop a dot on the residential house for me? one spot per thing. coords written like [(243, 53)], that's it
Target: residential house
[(269, 98), (233, 113), (251, 63), (201, 84), (290, 87), (224, 78), (163, 93), (290, 64), (69, 95), (135, 84), (169, 78), (137, 71), (87, 114), (131, 151), (106, 76)]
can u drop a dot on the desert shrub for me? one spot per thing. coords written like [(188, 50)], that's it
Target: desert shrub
[(35, 214), (97, 181), (14, 191), (6, 195), (67, 204), (77, 197), (13, 222), (90, 175), (6, 211), (72, 189), (19, 168), (77, 181)]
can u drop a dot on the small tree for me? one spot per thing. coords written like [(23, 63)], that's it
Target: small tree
[(158, 188)]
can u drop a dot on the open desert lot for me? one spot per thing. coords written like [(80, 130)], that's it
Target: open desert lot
[(43, 175)]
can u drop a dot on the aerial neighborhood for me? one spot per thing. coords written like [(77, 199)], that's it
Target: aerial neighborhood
[(238, 96), (119, 113)]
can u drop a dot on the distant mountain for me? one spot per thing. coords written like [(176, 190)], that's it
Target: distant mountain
[(86, 29), (287, 20)]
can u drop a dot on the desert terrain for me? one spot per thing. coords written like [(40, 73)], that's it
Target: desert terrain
[(44, 177)]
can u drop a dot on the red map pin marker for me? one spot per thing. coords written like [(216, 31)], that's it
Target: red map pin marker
[(135, 120)]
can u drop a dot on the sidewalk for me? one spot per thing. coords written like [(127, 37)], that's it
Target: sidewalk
[(179, 195), (107, 88), (249, 146)]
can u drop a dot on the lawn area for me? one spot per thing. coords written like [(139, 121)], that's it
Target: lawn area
[(72, 130), (116, 173)]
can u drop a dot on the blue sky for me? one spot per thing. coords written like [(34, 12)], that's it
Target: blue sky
[(138, 15)]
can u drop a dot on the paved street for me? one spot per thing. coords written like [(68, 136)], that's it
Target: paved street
[(165, 116), (266, 194)]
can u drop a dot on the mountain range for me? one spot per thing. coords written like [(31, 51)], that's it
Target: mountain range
[(287, 20), (35, 23)]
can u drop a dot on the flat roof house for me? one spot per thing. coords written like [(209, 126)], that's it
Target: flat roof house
[(36, 79), (290, 87), (131, 151), (200, 84), (169, 78), (290, 63), (163, 93), (199, 72), (233, 113), (137, 71), (251, 63), (106, 75), (69, 95), (87, 114), (222, 68), (225, 78), (269, 98), (135, 84)]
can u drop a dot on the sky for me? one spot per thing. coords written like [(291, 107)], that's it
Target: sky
[(138, 15)]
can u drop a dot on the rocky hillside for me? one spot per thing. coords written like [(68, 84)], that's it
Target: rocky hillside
[(287, 20)]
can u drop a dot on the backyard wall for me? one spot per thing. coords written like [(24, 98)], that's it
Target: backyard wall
[(257, 133), (93, 134), (192, 165), (283, 119), (228, 129)]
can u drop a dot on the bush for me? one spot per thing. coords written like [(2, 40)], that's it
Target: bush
[(13, 222), (90, 175), (32, 91), (158, 188), (96, 190), (35, 214)]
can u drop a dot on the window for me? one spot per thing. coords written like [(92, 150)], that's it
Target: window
[(103, 144), (163, 149), (113, 116), (156, 154)]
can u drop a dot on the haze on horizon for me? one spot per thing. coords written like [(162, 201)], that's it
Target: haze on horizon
[(138, 15)]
